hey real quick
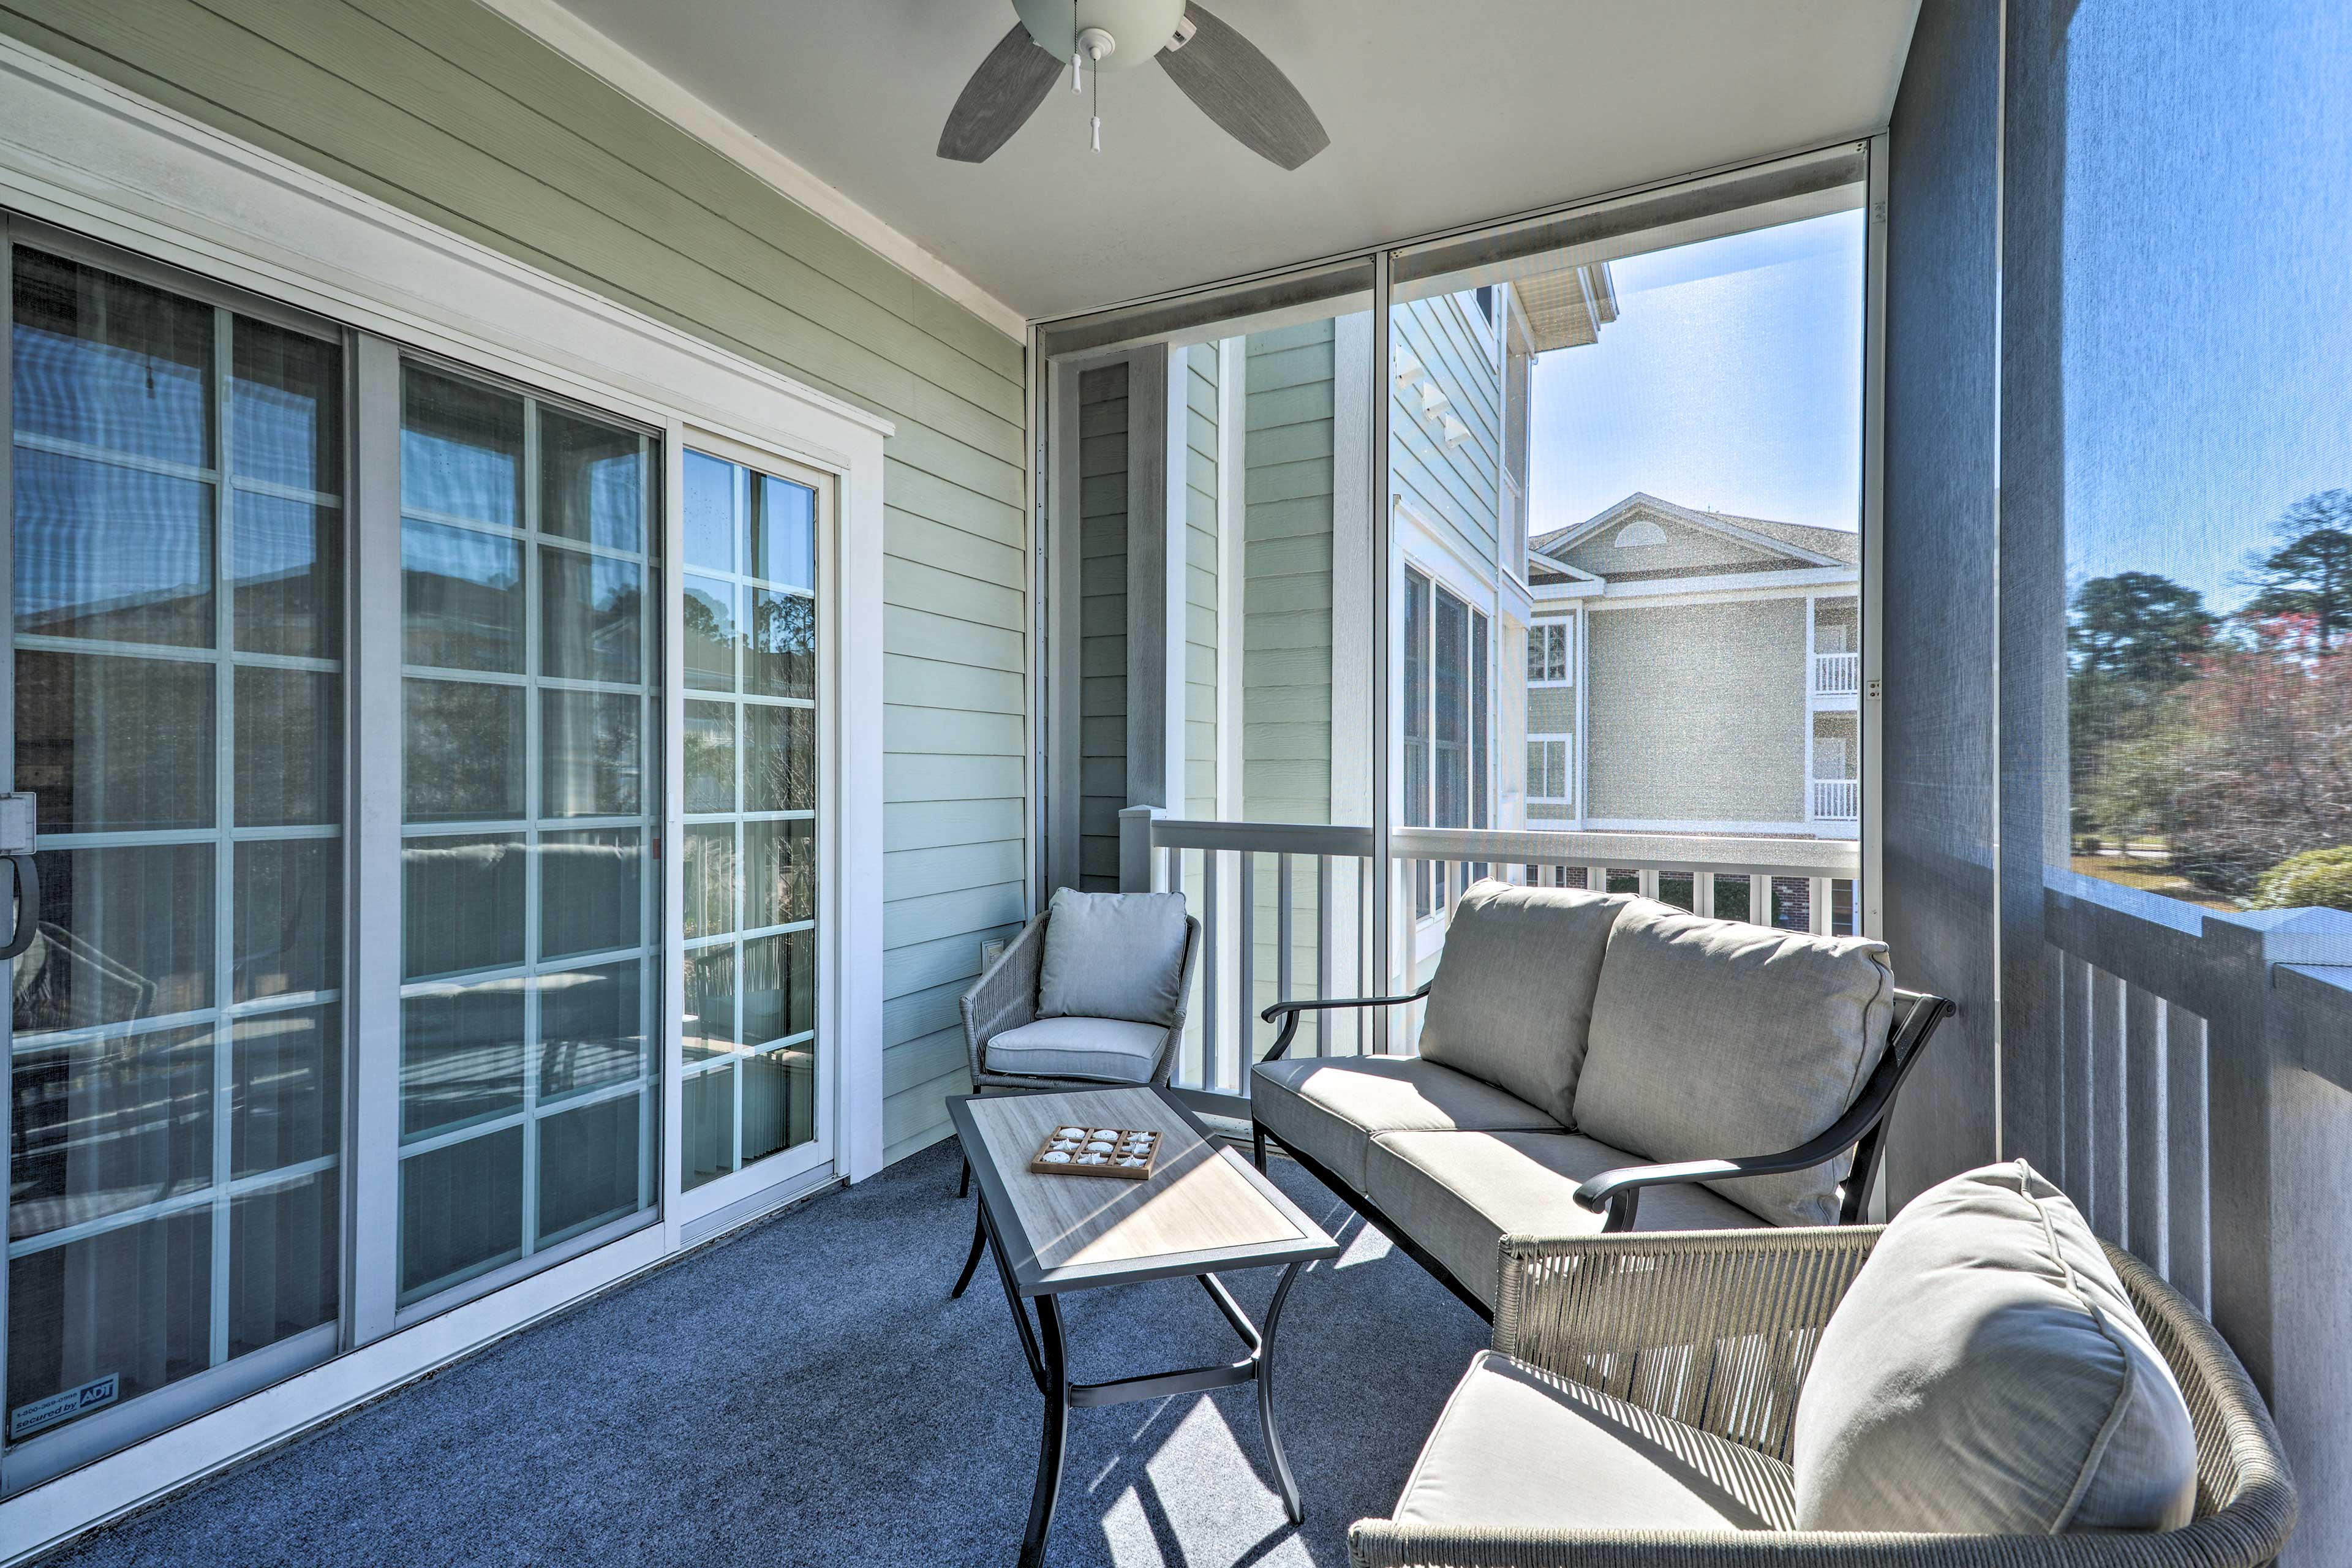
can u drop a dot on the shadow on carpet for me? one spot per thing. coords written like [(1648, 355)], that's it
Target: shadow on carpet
[(804, 1394)]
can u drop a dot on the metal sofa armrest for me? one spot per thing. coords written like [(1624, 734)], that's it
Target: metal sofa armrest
[(1005, 995), (1618, 1193), (1288, 1012)]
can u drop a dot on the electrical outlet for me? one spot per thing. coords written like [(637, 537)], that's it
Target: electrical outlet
[(991, 949)]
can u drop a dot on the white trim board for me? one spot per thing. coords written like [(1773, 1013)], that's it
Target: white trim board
[(631, 76)]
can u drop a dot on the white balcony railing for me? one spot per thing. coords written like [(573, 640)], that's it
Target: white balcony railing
[(1837, 674), (1837, 800)]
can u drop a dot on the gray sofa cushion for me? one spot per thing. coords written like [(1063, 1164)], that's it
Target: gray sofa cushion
[(1986, 1374), (1517, 1448), (1457, 1194), (1328, 1108), (1107, 1050), (1513, 996), (1714, 1038), (1112, 955)]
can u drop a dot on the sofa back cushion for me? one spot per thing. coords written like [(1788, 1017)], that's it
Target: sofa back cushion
[(1113, 955), (1714, 1038), (1986, 1374), (1512, 1000)]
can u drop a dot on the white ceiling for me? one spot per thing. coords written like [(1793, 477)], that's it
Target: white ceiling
[(1441, 111)]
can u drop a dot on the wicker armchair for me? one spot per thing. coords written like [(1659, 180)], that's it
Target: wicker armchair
[(1716, 1329), (1005, 997)]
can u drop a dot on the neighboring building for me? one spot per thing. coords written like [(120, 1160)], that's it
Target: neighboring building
[(1693, 671)]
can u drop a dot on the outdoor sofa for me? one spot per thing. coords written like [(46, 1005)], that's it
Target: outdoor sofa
[(1587, 1059), (1981, 1384)]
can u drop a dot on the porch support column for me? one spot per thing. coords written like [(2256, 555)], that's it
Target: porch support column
[(1154, 627)]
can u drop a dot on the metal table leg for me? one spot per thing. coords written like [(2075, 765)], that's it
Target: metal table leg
[(1265, 1397), (971, 1259), (1048, 1494)]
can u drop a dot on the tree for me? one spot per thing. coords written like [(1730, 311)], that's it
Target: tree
[(2257, 762), (2133, 638), (2308, 571), (2138, 628)]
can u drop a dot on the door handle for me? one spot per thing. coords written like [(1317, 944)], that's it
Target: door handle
[(26, 879)]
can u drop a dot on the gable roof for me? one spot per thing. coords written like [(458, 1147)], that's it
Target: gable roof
[(1790, 546)]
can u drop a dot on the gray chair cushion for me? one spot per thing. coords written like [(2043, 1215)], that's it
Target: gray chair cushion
[(1457, 1194), (1105, 1050), (1328, 1108), (1714, 1038), (1517, 1448), (1512, 999), (1986, 1374), (1112, 955)]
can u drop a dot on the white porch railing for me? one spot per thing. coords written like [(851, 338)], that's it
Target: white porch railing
[(1837, 800), (2195, 1054), (1837, 674), (1287, 910)]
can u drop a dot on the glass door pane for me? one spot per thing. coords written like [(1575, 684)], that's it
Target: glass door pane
[(531, 697), (748, 1002), (175, 1122)]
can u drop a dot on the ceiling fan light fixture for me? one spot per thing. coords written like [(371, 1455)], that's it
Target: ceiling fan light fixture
[(1227, 77)]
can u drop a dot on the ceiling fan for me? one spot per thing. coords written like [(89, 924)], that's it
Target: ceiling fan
[(1216, 68)]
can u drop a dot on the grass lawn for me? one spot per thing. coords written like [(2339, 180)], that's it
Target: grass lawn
[(2148, 876)]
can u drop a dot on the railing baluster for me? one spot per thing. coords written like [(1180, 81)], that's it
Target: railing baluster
[(1212, 924), (2109, 1137), (2188, 1184), (1323, 950), (1284, 891), (1244, 983), (2074, 1080), (2145, 1115)]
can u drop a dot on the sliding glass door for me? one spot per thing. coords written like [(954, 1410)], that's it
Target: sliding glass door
[(530, 800), (753, 1088), (176, 1109), (351, 688)]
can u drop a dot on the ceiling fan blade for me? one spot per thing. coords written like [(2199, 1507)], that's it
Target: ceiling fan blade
[(1244, 92), (1000, 98)]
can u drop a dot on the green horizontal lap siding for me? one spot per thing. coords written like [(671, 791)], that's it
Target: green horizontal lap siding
[(1286, 494), (447, 111), (1453, 488), (1102, 623), (1286, 491), (1201, 589)]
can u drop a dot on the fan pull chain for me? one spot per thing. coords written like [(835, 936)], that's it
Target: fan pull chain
[(1097, 123), (1077, 60)]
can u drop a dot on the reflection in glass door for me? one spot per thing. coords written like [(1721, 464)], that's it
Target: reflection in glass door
[(748, 1004), (175, 1113), (530, 702)]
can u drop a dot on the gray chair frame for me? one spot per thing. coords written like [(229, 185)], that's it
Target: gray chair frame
[(1005, 997)]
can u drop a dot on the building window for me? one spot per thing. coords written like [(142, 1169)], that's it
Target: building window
[(1446, 697), (1548, 779), (1548, 651)]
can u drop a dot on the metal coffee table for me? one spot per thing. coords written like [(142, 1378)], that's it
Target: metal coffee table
[(1203, 1210)]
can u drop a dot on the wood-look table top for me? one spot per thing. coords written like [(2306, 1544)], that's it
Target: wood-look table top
[(1203, 1209)]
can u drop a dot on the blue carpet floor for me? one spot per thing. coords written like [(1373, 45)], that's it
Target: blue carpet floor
[(804, 1394)]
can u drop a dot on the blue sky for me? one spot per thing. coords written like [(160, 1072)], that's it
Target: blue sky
[(2207, 334), (1731, 379)]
